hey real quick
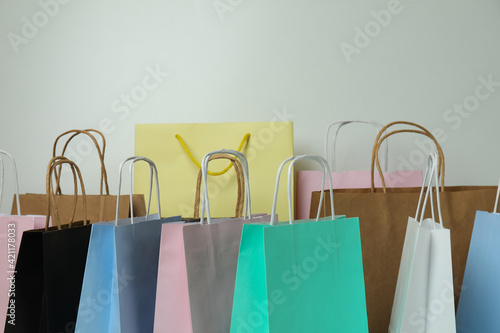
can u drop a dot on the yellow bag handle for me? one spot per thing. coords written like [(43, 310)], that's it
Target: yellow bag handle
[(211, 173)]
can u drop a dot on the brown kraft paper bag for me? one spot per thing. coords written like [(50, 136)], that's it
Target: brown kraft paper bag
[(101, 207), (383, 216)]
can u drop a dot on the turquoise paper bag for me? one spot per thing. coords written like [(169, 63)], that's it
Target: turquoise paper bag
[(300, 276)]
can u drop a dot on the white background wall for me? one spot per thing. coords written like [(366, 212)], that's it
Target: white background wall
[(247, 60)]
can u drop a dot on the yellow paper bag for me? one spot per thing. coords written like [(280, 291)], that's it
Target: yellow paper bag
[(266, 145)]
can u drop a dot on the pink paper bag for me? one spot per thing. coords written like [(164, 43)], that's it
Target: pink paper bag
[(197, 266), (197, 274)]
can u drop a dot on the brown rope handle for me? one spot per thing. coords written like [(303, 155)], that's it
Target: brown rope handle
[(104, 179), (240, 202), (381, 132), (49, 190), (441, 165), (58, 161), (104, 175)]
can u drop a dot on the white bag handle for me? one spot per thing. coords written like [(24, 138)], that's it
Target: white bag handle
[(431, 176), (154, 171), (428, 179), (293, 159), (435, 173), (378, 127), (16, 179), (425, 183), (435, 159), (205, 205), (495, 210)]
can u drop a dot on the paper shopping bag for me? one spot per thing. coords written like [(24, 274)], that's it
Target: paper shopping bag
[(380, 214), (424, 297), (305, 277), (309, 180), (429, 305), (11, 231), (382, 235), (196, 275), (49, 272), (266, 144), (479, 303), (119, 285), (197, 269), (101, 207), (301, 276)]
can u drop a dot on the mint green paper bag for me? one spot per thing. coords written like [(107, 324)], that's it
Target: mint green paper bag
[(300, 276)]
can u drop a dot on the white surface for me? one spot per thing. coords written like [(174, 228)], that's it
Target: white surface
[(263, 58)]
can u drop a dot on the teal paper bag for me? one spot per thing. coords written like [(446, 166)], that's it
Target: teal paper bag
[(305, 277), (251, 303), (302, 276)]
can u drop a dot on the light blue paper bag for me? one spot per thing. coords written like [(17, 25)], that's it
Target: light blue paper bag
[(479, 304), (119, 287)]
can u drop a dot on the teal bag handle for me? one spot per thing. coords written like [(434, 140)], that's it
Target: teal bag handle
[(293, 159)]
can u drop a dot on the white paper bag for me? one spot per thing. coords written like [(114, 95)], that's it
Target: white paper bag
[(424, 298)]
